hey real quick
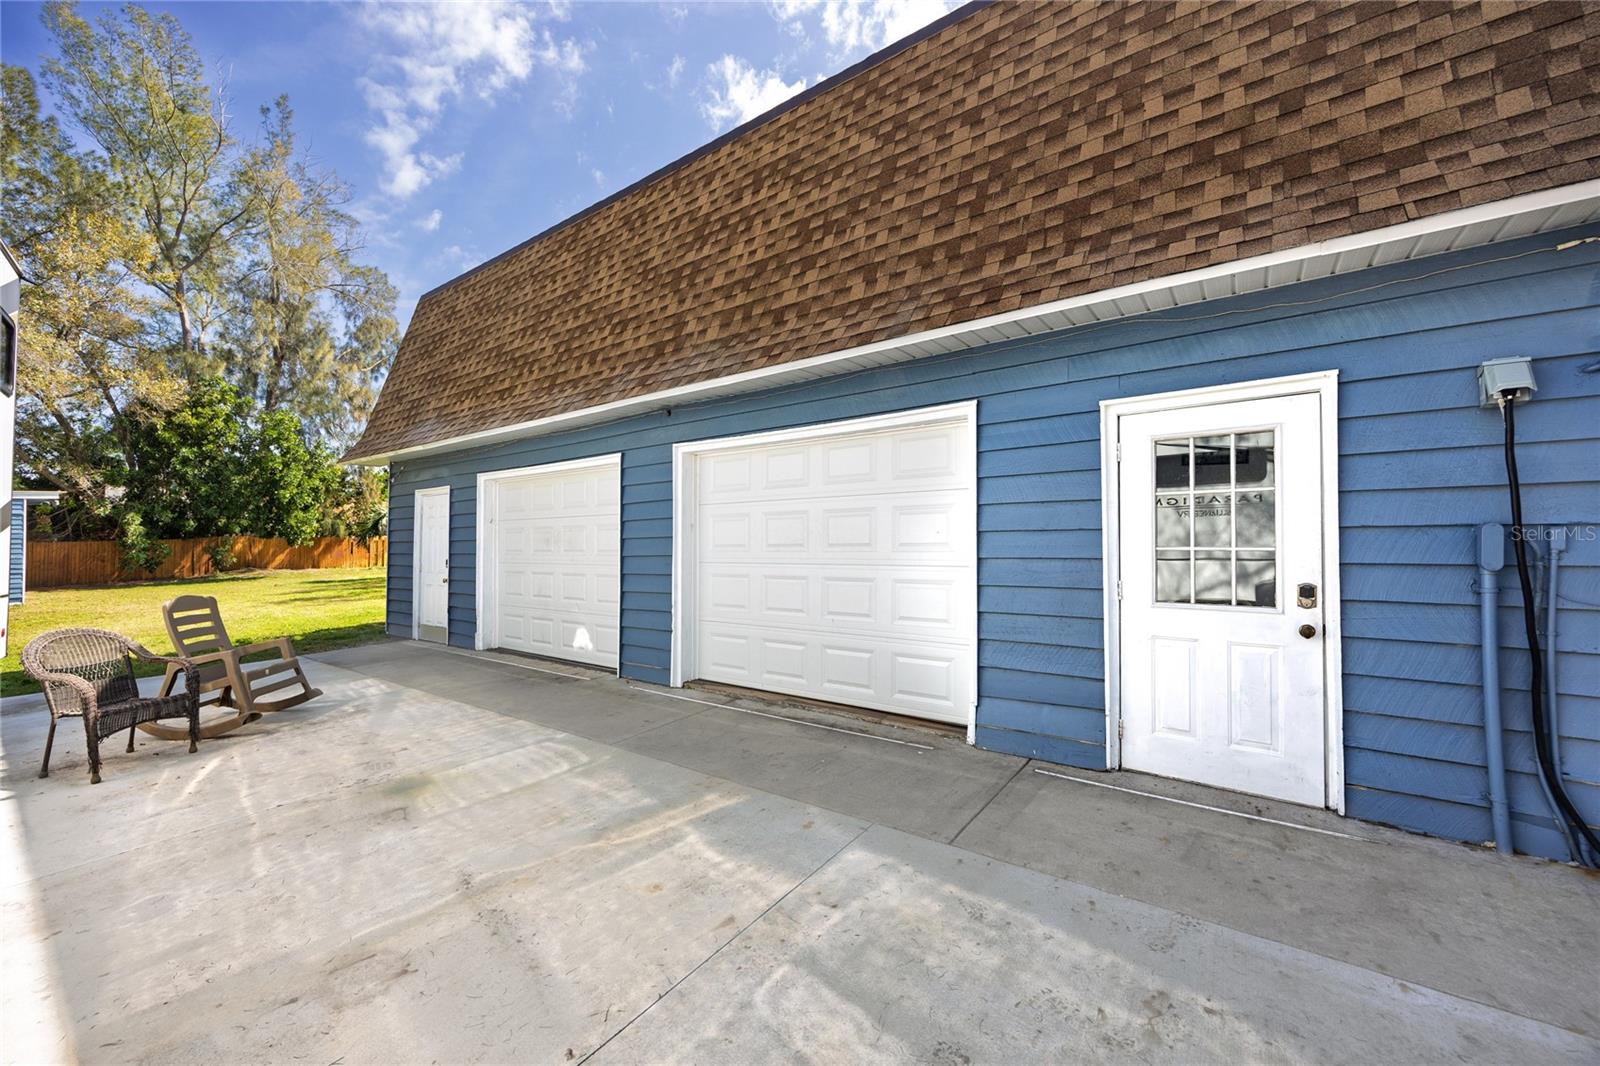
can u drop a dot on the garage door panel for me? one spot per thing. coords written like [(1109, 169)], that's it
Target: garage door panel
[(923, 677), (867, 464), (591, 639), (850, 600), (726, 654), (906, 678), (938, 602), (927, 527), (786, 530), (928, 454), (557, 560), (923, 601), (840, 568)]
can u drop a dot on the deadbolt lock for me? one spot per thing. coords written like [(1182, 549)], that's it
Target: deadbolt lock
[(1307, 596), (1308, 631)]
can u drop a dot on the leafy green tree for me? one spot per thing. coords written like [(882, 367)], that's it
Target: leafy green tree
[(314, 331), (88, 375), (136, 86), (43, 180), (197, 329), (217, 467), (193, 476), (290, 480), (358, 505), (88, 382)]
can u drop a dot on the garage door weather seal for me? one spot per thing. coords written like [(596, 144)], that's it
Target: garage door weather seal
[(785, 718), (508, 662)]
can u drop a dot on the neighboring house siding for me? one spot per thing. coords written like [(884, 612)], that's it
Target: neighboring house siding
[(1420, 466), (18, 549)]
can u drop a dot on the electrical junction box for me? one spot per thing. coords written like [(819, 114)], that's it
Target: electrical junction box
[(1500, 376)]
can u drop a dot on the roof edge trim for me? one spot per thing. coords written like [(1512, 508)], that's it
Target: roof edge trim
[(1469, 227)]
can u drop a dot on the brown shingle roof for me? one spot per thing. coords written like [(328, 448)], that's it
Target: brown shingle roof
[(1021, 154)]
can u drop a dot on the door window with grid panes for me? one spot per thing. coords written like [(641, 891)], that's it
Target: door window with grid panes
[(1216, 523)]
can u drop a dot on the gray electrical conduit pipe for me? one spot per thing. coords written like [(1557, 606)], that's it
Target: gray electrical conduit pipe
[(1491, 560), (1556, 544)]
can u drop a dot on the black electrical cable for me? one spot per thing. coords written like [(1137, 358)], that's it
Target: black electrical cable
[(1541, 727)]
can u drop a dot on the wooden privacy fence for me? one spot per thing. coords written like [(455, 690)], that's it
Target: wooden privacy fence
[(61, 564)]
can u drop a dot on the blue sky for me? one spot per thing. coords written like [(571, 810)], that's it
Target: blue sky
[(464, 128)]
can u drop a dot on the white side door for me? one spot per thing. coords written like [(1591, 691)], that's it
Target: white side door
[(433, 561), (1220, 529)]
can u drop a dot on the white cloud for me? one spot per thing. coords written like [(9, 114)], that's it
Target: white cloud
[(432, 53), (675, 71), (456, 258), (737, 92), (598, 175), (430, 222), (854, 27)]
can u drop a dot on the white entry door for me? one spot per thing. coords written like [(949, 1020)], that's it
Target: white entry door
[(553, 561), (433, 563), (837, 563), (1220, 555)]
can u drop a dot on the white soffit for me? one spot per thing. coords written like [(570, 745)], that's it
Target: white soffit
[(1519, 216)]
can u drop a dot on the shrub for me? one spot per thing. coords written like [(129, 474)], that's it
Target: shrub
[(140, 550), (221, 551)]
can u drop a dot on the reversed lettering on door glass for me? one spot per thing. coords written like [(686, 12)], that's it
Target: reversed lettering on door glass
[(1216, 519)]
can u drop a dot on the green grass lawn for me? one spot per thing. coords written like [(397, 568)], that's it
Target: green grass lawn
[(320, 609)]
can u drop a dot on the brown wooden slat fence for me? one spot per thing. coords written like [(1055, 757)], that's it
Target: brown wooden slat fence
[(62, 564)]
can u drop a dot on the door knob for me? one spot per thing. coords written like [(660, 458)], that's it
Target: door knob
[(1308, 631)]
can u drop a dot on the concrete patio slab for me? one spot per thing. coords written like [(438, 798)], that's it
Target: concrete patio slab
[(504, 895), (619, 713), (545, 864), (932, 789), (1427, 911), (903, 950)]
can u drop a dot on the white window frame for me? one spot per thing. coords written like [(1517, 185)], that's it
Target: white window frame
[(1325, 385), (684, 501), (488, 483), (416, 559)]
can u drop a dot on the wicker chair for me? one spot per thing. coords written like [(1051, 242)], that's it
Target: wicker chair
[(88, 673)]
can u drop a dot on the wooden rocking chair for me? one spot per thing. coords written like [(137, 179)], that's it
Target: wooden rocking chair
[(195, 625)]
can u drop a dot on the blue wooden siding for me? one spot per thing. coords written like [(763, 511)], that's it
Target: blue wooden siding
[(18, 549), (1420, 466)]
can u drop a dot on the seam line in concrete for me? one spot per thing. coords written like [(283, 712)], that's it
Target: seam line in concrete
[(721, 947), (992, 797), (1201, 806), (653, 728)]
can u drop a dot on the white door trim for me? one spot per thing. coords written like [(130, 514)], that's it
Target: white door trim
[(1325, 385), (683, 504), (483, 636), (416, 559)]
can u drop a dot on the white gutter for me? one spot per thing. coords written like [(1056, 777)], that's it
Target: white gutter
[(1470, 227)]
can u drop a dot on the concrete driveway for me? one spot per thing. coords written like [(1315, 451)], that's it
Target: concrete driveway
[(452, 858)]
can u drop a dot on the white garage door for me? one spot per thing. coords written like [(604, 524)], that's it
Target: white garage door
[(553, 561), (839, 567)]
